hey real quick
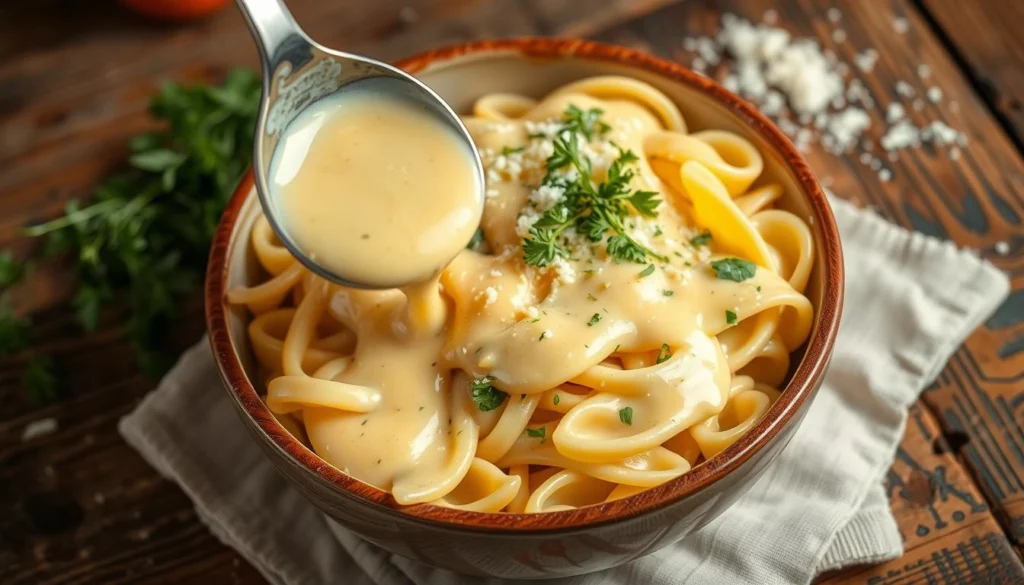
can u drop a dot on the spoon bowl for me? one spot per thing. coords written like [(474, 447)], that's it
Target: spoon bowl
[(298, 72)]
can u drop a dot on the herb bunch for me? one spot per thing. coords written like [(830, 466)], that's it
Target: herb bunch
[(596, 210), (142, 239)]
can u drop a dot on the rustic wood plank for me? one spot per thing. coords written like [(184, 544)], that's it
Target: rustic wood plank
[(976, 200), (985, 39), (948, 533), (84, 507)]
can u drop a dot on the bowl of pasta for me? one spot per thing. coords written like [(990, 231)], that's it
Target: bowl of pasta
[(635, 333)]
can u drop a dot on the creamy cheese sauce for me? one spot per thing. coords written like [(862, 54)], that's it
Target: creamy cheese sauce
[(375, 188), (609, 370)]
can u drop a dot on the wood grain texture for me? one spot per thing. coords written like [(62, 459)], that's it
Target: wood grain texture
[(81, 507), (985, 39), (948, 533)]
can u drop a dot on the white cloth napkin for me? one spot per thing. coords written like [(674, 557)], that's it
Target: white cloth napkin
[(910, 302)]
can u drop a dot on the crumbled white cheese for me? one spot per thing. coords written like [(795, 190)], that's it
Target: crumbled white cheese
[(546, 196), (547, 128), (1002, 248), (490, 295), (924, 71), (902, 135), (38, 428), (900, 24), (834, 14), (885, 175), (845, 128), (527, 217), (905, 89), (839, 36), (894, 113), (941, 134), (934, 95), (866, 61), (564, 271)]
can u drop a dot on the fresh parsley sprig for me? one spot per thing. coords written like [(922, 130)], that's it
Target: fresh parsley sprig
[(142, 240), (597, 211)]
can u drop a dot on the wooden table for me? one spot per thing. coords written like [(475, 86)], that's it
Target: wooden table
[(79, 506)]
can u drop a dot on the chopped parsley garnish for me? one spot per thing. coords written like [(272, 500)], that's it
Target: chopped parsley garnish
[(730, 317), (537, 433), (759, 288), (734, 269), (485, 395), (701, 239), (585, 122), (664, 353), (556, 399), (626, 415), (591, 297), (647, 271), (596, 210), (477, 241), (668, 293), (594, 320), (543, 335), (507, 150)]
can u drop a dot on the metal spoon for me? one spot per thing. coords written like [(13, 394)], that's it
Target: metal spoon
[(298, 72)]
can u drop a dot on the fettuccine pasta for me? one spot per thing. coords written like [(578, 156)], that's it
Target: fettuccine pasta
[(628, 311)]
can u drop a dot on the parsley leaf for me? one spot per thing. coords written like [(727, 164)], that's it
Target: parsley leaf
[(476, 243), (10, 269), (668, 292), (537, 433), (585, 122), (730, 317), (507, 150), (702, 239), (622, 247), (40, 380), (647, 271), (485, 395), (542, 248), (664, 353), (626, 415), (555, 399), (13, 331), (734, 269), (646, 202), (594, 320)]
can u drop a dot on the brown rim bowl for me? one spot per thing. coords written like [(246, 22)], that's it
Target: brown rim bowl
[(592, 537)]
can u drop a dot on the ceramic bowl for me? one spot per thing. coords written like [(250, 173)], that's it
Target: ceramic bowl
[(554, 544)]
